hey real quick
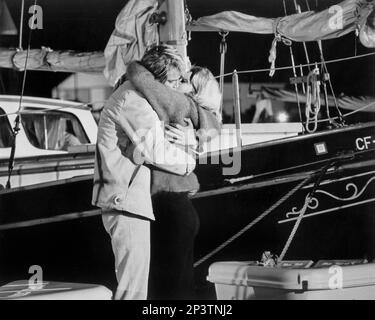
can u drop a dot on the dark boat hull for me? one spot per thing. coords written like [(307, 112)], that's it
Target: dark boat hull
[(79, 250)]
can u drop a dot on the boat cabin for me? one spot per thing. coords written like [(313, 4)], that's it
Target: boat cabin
[(52, 133)]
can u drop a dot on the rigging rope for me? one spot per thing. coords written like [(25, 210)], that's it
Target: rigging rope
[(223, 51), (325, 69), (295, 228), (312, 96), (304, 209), (58, 218), (254, 222), (273, 50)]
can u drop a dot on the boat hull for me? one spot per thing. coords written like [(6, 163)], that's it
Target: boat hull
[(338, 222)]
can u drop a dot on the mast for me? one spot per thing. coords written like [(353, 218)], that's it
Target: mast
[(173, 31)]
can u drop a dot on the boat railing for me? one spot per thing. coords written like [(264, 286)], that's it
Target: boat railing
[(237, 108), (329, 119)]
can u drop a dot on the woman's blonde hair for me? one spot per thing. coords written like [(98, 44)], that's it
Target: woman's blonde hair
[(206, 90)]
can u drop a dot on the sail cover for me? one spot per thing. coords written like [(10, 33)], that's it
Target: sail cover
[(132, 35), (333, 22)]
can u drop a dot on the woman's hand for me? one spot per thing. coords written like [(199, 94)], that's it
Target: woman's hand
[(181, 135)]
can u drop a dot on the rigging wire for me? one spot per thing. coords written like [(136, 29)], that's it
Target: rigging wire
[(350, 113), (366, 106), (298, 10), (295, 76), (21, 25), (16, 128), (303, 65), (307, 5), (46, 110), (325, 91), (250, 71), (245, 72), (255, 71), (2, 83), (325, 69)]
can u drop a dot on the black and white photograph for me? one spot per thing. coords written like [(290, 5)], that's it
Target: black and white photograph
[(187, 154)]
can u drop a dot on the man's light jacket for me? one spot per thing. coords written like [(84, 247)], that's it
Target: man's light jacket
[(130, 138)]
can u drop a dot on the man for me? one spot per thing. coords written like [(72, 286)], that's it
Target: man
[(263, 105), (130, 132)]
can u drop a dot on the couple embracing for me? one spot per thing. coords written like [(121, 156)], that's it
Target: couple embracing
[(149, 134)]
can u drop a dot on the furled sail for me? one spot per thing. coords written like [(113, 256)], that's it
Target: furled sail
[(46, 59), (333, 22), (133, 33)]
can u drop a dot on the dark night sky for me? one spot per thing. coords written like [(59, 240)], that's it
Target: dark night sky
[(85, 25)]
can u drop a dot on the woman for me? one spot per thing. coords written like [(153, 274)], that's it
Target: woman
[(177, 222)]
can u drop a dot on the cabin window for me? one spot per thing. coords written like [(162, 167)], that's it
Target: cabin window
[(52, 130), (6, 132)]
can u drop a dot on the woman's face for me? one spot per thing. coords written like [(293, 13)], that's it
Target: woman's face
[(185, 88)]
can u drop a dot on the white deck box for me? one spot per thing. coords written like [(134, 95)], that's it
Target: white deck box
[(21, 290), (246, 281)]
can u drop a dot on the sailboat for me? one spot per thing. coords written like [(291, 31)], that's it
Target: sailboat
[(320, 174)]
